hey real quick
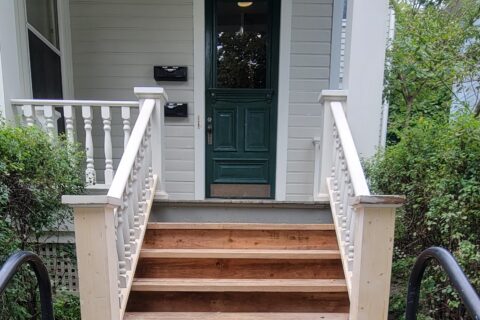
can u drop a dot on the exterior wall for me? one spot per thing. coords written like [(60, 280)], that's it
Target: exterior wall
[(309, 75), (115, 44)]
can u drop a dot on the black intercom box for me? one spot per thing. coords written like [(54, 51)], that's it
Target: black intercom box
[(170, 73), (176, 109)]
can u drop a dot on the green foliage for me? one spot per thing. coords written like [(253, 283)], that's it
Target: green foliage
[(34, 173), (67, 307), (437, 166), (428, 58)]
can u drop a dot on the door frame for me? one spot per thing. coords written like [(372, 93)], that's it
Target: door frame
[(273, 66), (282, 98)]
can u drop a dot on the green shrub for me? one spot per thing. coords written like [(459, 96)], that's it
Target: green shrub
[(67, 307), (437, 166), (35, 171)]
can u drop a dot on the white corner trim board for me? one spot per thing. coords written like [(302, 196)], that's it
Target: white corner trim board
[(199, 95)]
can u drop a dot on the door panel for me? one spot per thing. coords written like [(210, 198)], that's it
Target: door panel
[(241, 82)]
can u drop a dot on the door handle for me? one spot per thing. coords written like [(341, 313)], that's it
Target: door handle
[(209, 131)]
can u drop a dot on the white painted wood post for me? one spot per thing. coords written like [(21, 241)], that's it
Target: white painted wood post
[(327, 143), (107, 130), (97, 257), (49, 114), (90, 174), (29, 114), (317, 167), (126, 126), (158, 133), (374, 229), (69, 116)]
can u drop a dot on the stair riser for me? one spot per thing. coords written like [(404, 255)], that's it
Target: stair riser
[(237, 302), (237, 239), (239, 268)]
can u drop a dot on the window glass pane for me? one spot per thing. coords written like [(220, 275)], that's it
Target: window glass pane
[(42, 15), (241, 44)]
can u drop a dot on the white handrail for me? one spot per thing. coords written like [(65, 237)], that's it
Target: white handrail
[(57, 102), (354, 165), (364, 223), (128, 159)]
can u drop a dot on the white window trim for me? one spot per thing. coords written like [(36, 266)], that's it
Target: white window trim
[(65, 51)]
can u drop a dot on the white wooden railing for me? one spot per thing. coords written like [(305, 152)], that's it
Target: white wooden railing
[(109, 229), (44, 113), (364, 223)]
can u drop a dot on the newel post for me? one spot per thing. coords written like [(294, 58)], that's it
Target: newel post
[(327, 147), (94, 219), (373, 250), (158, 133)]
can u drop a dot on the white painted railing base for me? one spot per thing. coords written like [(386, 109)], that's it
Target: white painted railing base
[(109, 229), (364, 223)]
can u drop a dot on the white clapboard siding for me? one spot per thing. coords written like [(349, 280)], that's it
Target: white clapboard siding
[(115, 45), (309, 74)]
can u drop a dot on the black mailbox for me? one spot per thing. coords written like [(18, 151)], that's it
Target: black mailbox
[(176, 109), (166, 73)]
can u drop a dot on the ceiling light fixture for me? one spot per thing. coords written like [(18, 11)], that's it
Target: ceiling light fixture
[(244, 4)]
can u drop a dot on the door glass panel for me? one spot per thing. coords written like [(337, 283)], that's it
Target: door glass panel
[(42, 15), (241, 44)]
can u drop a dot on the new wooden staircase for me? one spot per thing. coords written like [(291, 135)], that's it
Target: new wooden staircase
[(239, 271)]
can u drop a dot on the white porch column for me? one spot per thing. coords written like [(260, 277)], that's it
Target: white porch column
[(364, 69), (158, 133), (15, 64)]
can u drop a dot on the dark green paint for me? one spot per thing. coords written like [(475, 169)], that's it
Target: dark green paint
[(243, 148)]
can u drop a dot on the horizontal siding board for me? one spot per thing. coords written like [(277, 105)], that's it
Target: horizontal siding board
[(309, 75), (115, 44)]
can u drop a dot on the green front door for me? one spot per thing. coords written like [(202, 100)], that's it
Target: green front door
[(241, 97)]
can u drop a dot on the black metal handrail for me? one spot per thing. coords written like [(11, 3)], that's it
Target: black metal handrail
[(11, 267), (459, 280)]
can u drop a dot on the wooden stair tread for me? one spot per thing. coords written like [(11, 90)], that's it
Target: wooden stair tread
[(240, 253), (238, 226), (233, 316), (239, 285)]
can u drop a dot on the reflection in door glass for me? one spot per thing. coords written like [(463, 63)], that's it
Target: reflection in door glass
[(241, 32)]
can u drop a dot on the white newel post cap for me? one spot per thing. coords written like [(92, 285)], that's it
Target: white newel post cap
[(150, 93), (333, 95)]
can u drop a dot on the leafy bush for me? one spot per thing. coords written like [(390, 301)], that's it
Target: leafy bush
[(437, 166), (35, 171), (67, 307)]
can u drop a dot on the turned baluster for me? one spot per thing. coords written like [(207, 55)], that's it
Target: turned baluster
[(107, 128), (122, 277), (69, 123), (90, 174), (49, 114), (131, 214), (126, 126), (29, 114), (126, 230)]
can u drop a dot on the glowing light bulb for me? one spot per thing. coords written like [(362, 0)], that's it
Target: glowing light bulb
[(244, 4)]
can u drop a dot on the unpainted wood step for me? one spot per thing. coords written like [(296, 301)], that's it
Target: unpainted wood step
[(159, 301), (239, 268), (240, 254), (240, 236), (233, 316), (240, 226), (239, 285)]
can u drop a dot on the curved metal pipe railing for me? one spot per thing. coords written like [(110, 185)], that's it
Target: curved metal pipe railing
[(459, 281), (11, 267)]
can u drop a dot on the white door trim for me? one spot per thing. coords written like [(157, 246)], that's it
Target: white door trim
[(199, 95), (283, 99)]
